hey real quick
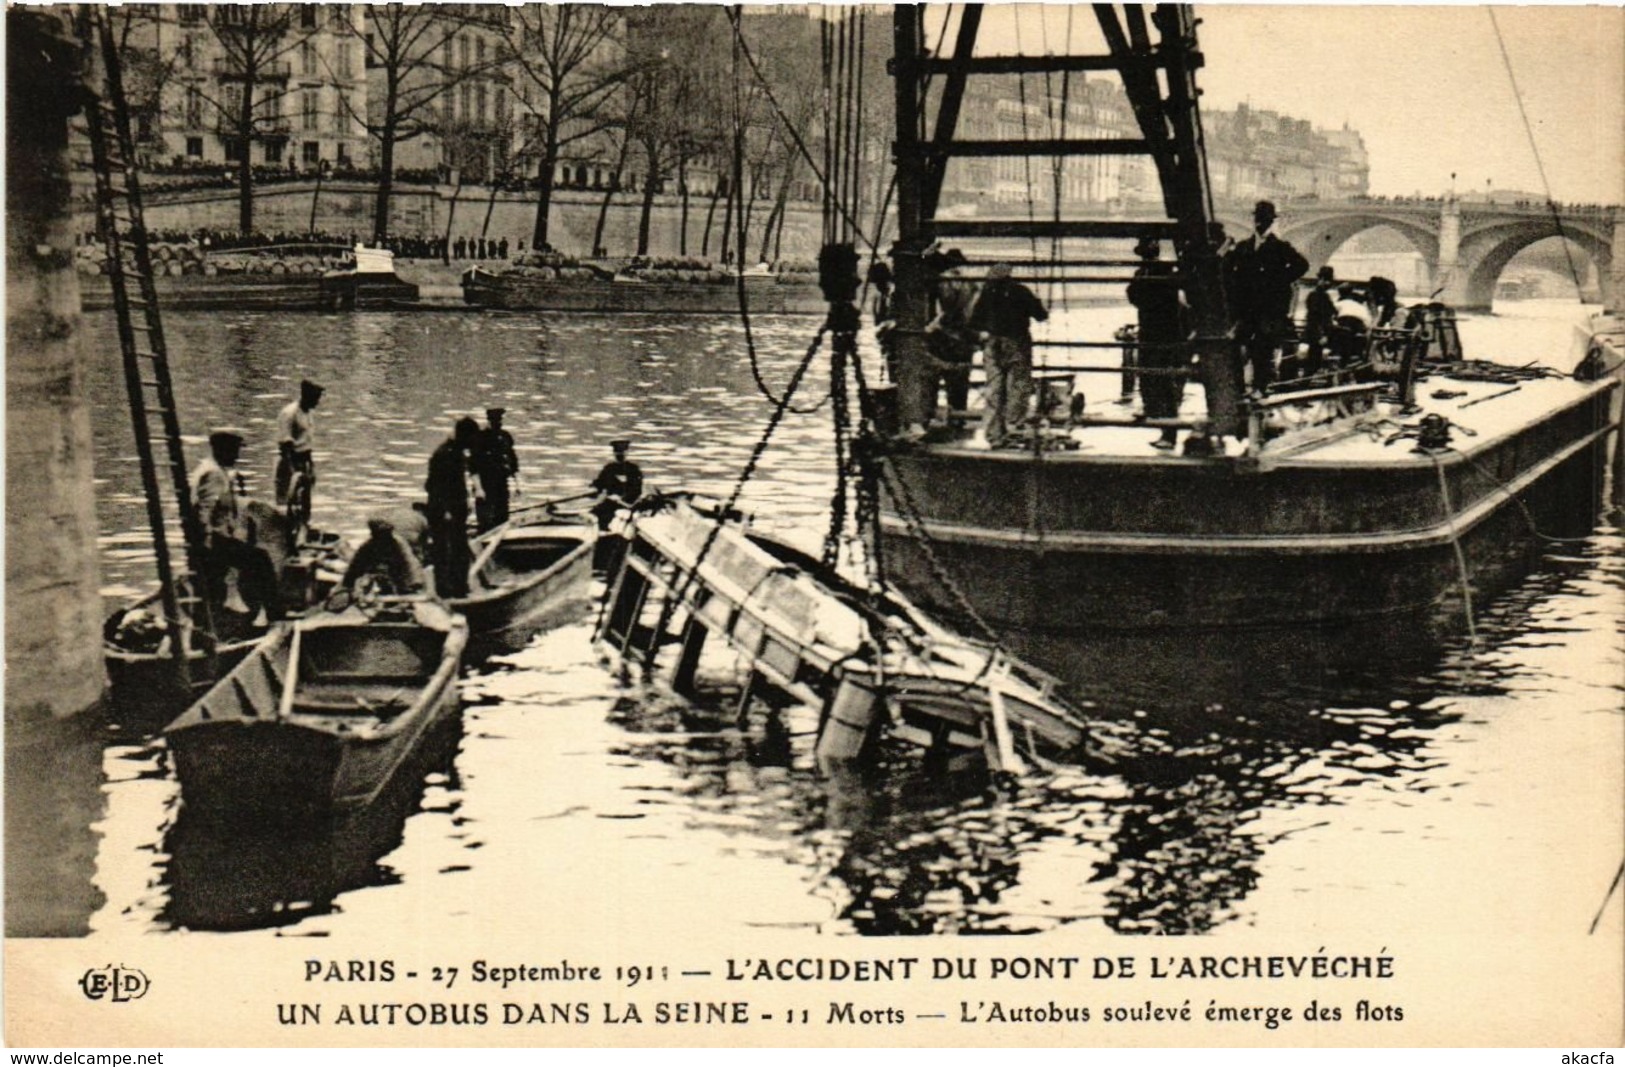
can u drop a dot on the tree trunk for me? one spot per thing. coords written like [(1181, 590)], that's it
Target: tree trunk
[(777, 215), (544, 199), (490, 206), (609, 193), (728, 218), (710, 213), (245, 161), (651, 182), (682, 218), (451, 212), (386, 169)]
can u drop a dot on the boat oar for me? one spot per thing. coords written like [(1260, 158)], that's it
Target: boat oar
[(485, 555), (285, 705), (541, 505)]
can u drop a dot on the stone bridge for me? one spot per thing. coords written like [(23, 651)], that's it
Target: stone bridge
[(1466, 244)]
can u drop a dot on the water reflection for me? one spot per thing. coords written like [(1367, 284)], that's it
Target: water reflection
[(1171, 840), (223, 879), (1241, 742)]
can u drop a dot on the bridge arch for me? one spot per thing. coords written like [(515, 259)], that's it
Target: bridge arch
[(1319, 237), (1486, 251)]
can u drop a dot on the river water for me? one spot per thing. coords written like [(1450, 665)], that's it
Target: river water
[(1270, 788)]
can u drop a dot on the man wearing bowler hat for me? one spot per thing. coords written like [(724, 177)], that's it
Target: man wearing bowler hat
[(495, 463), (1259, 275)]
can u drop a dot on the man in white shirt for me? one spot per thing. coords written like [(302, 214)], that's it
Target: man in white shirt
[(228, 537), (294, 439)]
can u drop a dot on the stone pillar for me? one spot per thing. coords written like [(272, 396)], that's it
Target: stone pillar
[(1613, 285), (1450, 275), (53, 609)]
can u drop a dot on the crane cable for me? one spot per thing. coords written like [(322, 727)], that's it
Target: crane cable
[(1529, 131)]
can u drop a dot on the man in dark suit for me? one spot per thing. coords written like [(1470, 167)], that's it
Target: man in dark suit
[(1259, 274)]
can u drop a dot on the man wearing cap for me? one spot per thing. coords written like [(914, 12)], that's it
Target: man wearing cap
[(494, 462), (448, 491), (1003, 311), (619, 485), (386, 558), (1154, 292), (215, 484), (294, 439), (1259, 275)]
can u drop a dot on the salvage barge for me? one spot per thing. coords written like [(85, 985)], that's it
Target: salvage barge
[(1383, 492)]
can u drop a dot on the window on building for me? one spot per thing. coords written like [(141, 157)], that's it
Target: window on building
[(307, 58), (309, 109), (479, 52), (502, 106), (194, 147), (479, 103), (339, 16), (234, 150), (311, 152), (346, 60), (194, 109), (271, 152), (467, 102), (307, 16), (190, 13), (231, 100), (341, 115), (463, 50)]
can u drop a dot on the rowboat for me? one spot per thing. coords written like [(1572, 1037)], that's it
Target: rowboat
[(317, 719), (871, 662), (525, 573)]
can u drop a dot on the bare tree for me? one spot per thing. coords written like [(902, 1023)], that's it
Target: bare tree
[(572, 55), (668, 45), (150, 62), (409, 49), (254, 38)]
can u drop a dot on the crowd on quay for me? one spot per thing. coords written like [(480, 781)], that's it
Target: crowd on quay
[(1260, 272), (405, 246), (1489, 202)]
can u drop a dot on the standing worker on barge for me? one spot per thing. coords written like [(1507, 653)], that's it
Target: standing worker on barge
[(1004, 311), (1154, 292)]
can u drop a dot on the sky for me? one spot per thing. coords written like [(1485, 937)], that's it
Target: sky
[(1425, 86)]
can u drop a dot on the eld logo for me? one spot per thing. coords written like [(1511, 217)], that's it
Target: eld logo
[(117, 984)]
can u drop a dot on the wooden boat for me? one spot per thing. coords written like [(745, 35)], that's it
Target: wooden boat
[(1374, 495), (870, 662), (319, 716), (526, 572), (141, 671), (764, 294)]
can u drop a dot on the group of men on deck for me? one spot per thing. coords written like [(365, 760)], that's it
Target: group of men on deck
[(1259, 274)]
